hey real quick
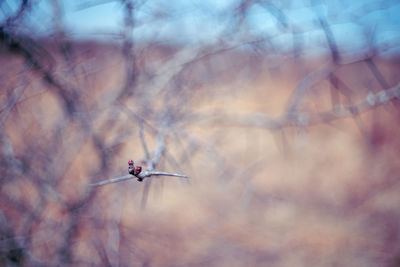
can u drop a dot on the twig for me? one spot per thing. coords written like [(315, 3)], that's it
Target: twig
[(143, 175), (158, 173)]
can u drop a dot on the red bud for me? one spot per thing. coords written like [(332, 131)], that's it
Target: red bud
[(138, 170), (130, 162)]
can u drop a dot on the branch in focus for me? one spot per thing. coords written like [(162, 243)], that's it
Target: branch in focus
[(143, 175)]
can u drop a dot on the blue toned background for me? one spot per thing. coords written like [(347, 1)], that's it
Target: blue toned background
[(356, 25)]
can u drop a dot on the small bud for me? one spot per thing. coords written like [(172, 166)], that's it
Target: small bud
[(130, 162), (138, 170)]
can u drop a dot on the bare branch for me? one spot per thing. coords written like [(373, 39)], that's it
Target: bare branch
[(143, 175), (147, 174)]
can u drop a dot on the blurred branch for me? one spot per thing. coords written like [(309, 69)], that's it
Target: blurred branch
[(305, 84), (128, 50), (25, 48), (15, 97), (330, 38), (143, 140), (280, 16), (23, 7), (377, 73), (302, 119)]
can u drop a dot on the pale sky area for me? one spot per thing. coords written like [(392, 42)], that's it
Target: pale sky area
[(205, 21)]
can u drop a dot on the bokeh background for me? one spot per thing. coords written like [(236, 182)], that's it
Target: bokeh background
[(284, 115)]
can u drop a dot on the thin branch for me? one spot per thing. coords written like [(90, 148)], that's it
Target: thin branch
[(147, 174), (143, 175)]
